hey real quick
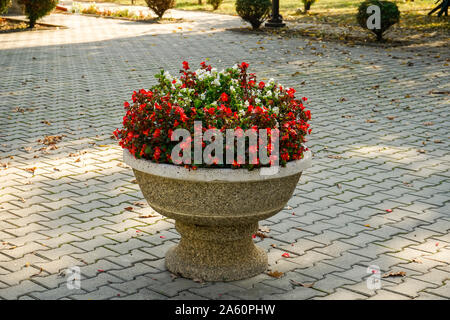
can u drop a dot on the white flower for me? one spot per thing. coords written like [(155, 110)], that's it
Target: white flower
[(276, 110), (257, 100), (203, 96)]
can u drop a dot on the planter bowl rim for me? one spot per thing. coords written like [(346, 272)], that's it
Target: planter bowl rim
[(217, 174)]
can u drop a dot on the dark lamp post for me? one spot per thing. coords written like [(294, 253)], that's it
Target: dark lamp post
[(276, 20)]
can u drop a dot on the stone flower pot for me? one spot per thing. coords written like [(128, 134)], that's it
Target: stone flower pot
[(216, 212)]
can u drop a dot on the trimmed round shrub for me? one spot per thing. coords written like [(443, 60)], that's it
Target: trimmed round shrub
[(389, 15), (215, 3), (36, 9), (159, 7), (307, 5), (253, 11), (4, 5)]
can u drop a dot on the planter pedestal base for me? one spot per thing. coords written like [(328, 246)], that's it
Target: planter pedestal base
[(216, 253)]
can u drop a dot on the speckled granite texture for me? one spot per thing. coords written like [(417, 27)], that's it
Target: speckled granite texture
[(216, 219)]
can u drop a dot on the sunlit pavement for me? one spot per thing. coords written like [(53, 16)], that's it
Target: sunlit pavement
[(377, 194)]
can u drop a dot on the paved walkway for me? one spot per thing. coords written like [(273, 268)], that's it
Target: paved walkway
[(380, 141)]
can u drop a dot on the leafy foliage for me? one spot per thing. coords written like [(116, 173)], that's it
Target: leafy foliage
[(222, 100), (390, 15), (215, 3), (253, 11), (36, 9), (159, 7), (4, 5)]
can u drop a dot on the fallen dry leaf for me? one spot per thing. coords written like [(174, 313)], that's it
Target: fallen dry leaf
[(394, 274), (129, 208), (32, 170), (306, 285), (261, 235), (145, 217), (371, 121), (275, 274), (334, 156), (264, 229), (51, 140)]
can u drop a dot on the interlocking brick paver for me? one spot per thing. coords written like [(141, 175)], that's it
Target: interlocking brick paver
[(411, 287), (72, 213)]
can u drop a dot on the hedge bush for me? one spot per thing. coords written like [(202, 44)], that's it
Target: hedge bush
[(36, 9), (253, 11), (159, 7), (390, 15), (4, 5)]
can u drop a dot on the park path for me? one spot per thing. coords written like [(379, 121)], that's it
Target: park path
[(380, 143)]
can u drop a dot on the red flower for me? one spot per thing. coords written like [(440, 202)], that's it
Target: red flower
[(157, 154), (262, 85), (157, 133), (224, 97), (244, 65), (185, 65)]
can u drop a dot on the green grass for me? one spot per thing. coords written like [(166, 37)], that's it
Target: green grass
[(342, 12)]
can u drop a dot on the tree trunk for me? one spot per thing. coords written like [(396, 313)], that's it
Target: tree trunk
[(307, 6), (200, 2), (15, 9), (379, 35)]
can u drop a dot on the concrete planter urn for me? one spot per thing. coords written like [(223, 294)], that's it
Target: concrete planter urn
[(216, 213)]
